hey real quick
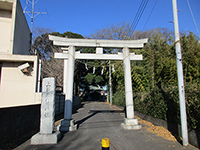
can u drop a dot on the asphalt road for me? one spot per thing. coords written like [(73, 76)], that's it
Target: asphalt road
[(97, 120)]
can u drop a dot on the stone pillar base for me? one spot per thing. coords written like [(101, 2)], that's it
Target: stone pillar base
[(68, 125), (131, 124), (39, 138), (72, 126)]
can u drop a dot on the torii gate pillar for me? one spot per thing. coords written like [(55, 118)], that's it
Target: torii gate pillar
[(67, 124), (129, 122)]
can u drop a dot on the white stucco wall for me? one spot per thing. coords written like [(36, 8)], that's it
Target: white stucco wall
[(16, 88), (14, 31), (5, 27)]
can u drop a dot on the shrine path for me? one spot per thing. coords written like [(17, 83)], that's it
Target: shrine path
[(97, 120)]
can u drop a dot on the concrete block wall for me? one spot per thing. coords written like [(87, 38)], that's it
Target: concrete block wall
[(76, 100), (59, 103), (16, 121)]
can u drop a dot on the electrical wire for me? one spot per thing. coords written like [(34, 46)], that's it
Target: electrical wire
[(150, 14), (137, 17), (193, 17), (140, 17)]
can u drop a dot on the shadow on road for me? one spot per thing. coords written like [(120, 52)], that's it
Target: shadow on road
[(84, 119), (94, 112), (106, 111)]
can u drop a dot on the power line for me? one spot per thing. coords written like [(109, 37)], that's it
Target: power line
[(193, 17), (140, 16), (137, 17), (150, 14)]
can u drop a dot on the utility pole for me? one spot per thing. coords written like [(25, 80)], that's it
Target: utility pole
[(184, 128), (32, 13), (110, 82)]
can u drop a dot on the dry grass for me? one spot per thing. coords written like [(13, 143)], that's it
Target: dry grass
[(158, 130)]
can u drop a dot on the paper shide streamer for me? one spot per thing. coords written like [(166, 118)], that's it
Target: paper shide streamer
[(113, 69), (86, 67), (94, 70), (102, 70)]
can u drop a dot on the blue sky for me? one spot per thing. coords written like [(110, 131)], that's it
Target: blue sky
[(86, 16)]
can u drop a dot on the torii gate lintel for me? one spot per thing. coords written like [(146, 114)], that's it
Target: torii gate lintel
[(69, 54)]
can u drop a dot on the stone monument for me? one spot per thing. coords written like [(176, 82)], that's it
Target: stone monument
[(47, 134)]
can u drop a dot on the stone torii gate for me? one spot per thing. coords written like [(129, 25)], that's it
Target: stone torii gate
[(69, 55)]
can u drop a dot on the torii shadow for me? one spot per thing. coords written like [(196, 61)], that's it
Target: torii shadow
[(94, 112)]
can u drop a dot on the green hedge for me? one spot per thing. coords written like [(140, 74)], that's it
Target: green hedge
[(119, 99), (163, 103)]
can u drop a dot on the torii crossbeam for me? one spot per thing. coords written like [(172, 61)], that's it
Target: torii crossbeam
[(69, 55)]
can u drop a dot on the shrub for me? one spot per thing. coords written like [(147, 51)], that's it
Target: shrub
[(119, 99), (164, 104)]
